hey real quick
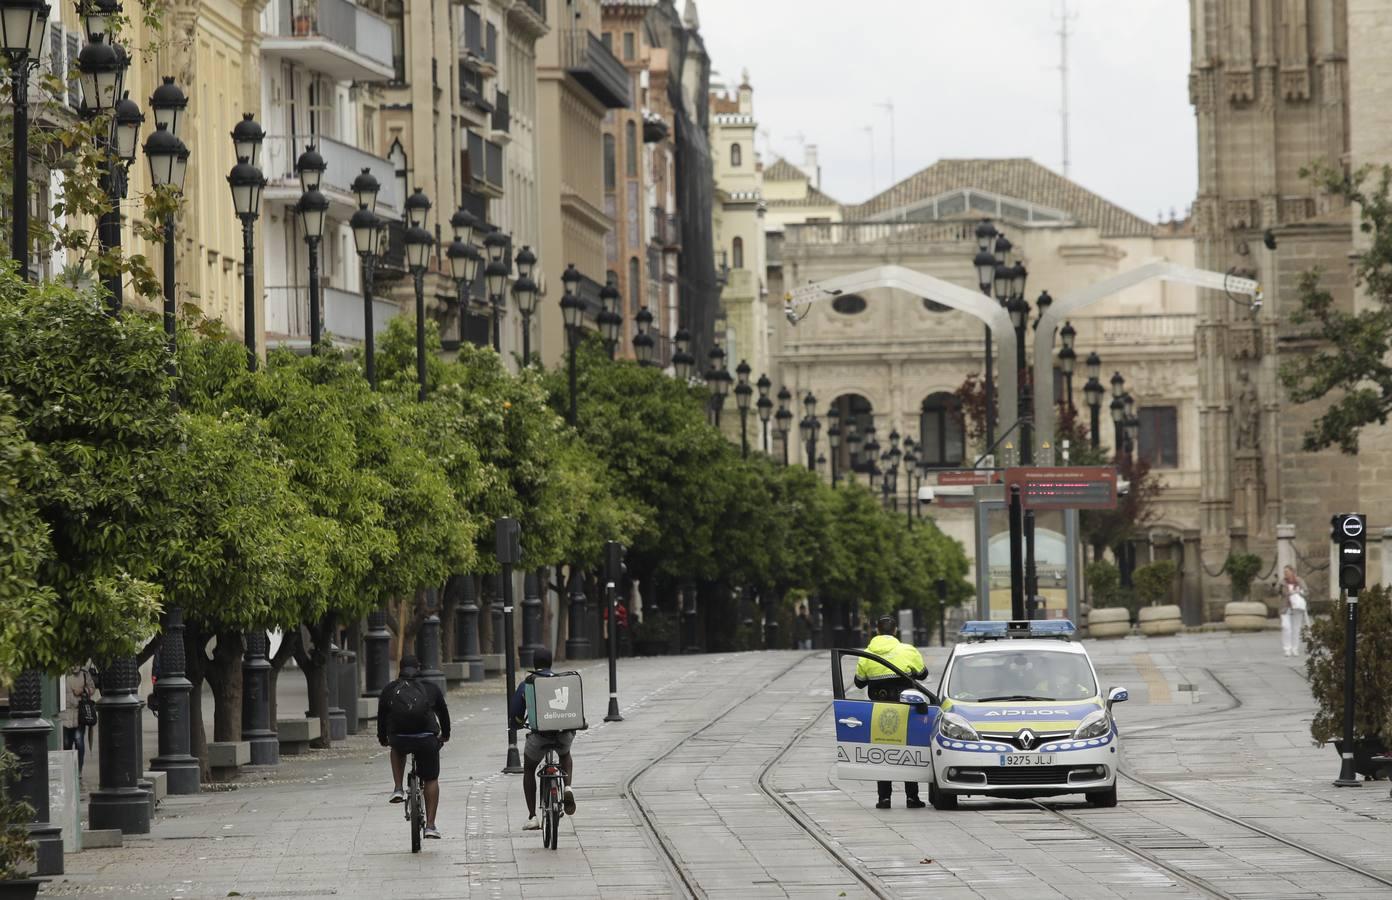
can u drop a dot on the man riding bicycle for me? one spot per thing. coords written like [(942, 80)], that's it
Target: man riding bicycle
[(539, 742), (412, 718)]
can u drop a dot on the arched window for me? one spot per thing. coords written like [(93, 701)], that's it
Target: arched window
[(736, 156), (631, 149), (737, 253), (611, 165), (397, 156), (941, 440)]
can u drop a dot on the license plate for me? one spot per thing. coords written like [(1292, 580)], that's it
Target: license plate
[(1027, 759)]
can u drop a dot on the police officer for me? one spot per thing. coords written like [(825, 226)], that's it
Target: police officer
[(883, 686)]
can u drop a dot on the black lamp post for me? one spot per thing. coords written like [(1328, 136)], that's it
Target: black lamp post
[(524, 291), (644, 344), (609, 319), (683, 363), (910, 470), (834, 438), (168, 158), (765, 407), (1068, 361), (313, 210), (22, 28), (573, 311), (247, 183), (1092, 393), (1131, 426), (419, 243), (496, 272), (102, 69), (893, 456), (985, 264), (1118, 409), (744, 393), (784, 419), (870, 454), (717, 381), (853, 439), (367, 240), (811, 425)]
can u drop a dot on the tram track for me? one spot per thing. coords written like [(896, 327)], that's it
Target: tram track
[(681, 872)]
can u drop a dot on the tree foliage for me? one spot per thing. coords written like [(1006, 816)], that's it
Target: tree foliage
[(1372, 672)]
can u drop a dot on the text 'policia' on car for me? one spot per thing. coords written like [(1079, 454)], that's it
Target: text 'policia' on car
[(1018, 713)]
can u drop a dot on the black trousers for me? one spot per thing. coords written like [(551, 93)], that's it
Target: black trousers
[(886, 788)]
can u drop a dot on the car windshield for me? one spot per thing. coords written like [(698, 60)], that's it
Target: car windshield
[(1021, 676)]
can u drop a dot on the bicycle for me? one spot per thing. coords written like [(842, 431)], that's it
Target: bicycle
[(550, 798), (415, 806)]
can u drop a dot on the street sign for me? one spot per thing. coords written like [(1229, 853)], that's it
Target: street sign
[(1055, 487), (966, 478)]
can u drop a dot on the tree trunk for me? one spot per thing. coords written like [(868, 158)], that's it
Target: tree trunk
[(314, 661), (562, 612), (195, 670), (224, 677)]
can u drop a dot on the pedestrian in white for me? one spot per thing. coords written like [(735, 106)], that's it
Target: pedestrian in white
[(1294, 606)]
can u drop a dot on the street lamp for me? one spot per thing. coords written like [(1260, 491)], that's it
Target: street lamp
[(717, 380), (812, 425), (168, 158), (644, 344), (609, 319), (834, 438), (417, 209), (853, 440), (910, 468), (495, 277), (247, 183), (101, 73), (1068, 360), (367, 238), (464, 225), (573, 312), (101, 70), (1131, 424), (744, 393), (784, 418), (1092, 394), (525, 290), (765, 406), (682, 360), (985, 264), (23, 24), (418, 245)]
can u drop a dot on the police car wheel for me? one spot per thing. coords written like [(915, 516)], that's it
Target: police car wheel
[(1103, 799), (941, 800)]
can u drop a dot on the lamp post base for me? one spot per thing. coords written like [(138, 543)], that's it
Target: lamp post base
[(613, 714), (1348, 776), (514, 760)]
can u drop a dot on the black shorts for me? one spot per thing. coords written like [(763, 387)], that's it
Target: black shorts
[(426, 750)]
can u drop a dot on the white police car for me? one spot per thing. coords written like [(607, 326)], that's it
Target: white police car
[(1018, 713)]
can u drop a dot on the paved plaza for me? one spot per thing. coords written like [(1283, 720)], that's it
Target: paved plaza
[(720, 782)]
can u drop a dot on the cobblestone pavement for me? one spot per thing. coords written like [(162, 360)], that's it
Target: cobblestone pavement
[(720, 783)]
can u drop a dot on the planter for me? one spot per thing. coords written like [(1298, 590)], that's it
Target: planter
[(1109, 622), (1160, 620), (20, 888), (1245, 615), (1364, 749)]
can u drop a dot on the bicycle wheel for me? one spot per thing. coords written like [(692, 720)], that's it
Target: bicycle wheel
[(553, 817), (413, 812), (548, 827)]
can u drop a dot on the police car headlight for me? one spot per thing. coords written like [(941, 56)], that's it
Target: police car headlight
[(1096, 725), (957, 728)]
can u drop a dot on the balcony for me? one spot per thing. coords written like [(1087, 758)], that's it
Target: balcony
[(590, 63), (471, 91), (278, 155), (287, 313), (338, 38), (486, 164), (536, 6), (663, 228), (502, 113)]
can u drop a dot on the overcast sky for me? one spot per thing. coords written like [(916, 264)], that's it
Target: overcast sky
[(968, 79)]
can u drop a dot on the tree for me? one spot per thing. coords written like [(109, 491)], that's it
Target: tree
[(1347, 359), (28, 608)]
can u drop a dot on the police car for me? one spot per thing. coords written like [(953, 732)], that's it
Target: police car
[(1018, 712)]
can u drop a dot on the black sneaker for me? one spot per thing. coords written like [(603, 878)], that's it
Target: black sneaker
[(882, 804), (915, 803)]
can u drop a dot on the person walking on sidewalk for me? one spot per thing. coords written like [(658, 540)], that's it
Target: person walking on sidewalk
[(79, 713), (883, 686), (1294, 611), (412, 718)]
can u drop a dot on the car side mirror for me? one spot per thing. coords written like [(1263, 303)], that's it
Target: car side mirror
[(1117, 695), (916, 699)]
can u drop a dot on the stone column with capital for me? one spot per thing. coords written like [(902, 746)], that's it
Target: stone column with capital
[(172, 691), (26, 736), (256, 701), (119, 803)]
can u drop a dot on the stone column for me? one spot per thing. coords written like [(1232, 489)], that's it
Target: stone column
[(467, 643), (1386, 547), (377, 648), (348, 688), (577, 643), (1285, 549), (257, 727), (428, 649), (172, 693), (1191, 597), (26, 736), (531, 619), (119, 803)]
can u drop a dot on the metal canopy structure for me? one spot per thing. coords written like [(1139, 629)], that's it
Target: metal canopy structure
[(948, 294)]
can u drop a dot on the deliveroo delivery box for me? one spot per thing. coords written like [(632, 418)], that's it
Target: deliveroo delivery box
[(555, 702)]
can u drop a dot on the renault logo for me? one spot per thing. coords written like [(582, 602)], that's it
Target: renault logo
[(1026, 738)]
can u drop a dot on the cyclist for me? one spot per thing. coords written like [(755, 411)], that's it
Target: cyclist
[(412, 718), (538, 742)]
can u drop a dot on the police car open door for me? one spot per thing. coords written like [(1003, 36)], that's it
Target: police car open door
[(881, 741)]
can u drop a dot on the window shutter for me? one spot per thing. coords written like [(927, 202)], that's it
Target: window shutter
[(55, 50), (74, 89)]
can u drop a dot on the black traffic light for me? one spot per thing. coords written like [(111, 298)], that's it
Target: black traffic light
[(613, 562), (1349, 532)]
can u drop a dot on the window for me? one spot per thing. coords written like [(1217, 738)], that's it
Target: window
[(736, 156), (940, 431), (631, 149), (396, 20), (849, 304), (635, 288), (607, 39), (737, 253), (611, 174), (1159, 436), (397, 157), (630, 47), (490, 43)]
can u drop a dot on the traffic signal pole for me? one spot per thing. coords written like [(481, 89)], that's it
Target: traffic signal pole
[(1349, 533)]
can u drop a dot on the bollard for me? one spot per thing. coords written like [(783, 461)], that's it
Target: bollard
[(172, 694), (467, 634), (119, 803), (613, 576), (509, 551), (26, 736), (338, 719), (377, 649), (531, 620), (577, 644), (428, 649), (348, 689), (256, 701)]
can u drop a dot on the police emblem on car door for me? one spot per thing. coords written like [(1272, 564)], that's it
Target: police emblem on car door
[(881, 741)]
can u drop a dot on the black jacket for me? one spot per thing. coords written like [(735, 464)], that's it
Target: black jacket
[(437, 705)]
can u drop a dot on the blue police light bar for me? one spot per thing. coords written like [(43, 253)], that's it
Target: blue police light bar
[(1018, 628)]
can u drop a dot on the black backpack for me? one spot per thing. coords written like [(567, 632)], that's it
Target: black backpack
[(411, 709)]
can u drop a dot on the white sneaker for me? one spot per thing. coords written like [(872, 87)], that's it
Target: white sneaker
[(432, 832), (398, 796), (533, 824), (569, 802)]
